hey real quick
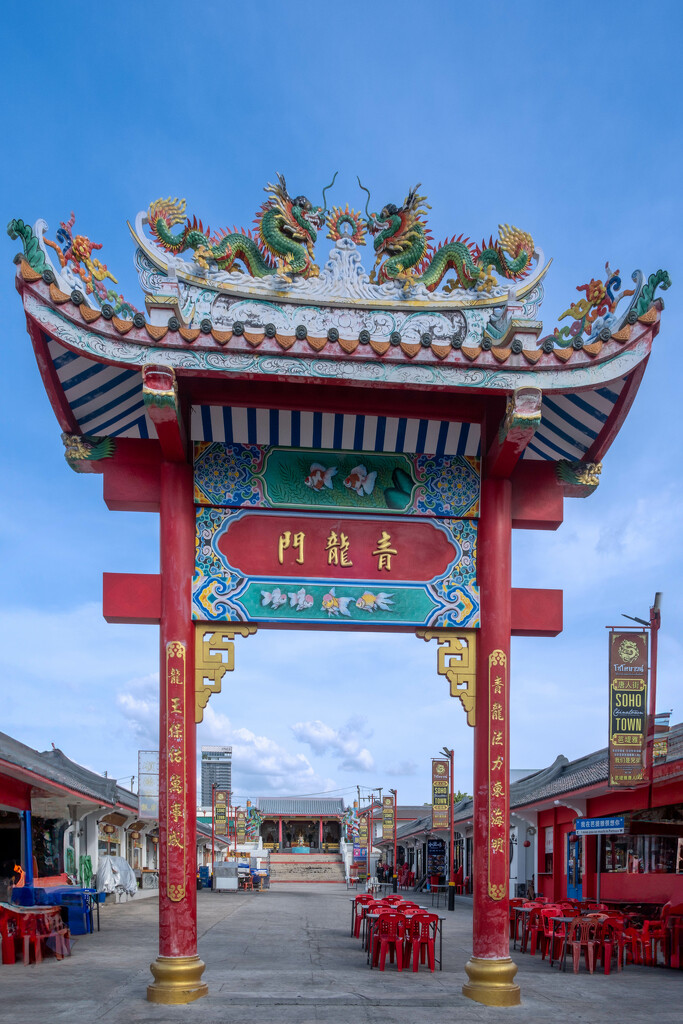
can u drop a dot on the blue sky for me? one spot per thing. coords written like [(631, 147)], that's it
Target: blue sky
[(562, 119)]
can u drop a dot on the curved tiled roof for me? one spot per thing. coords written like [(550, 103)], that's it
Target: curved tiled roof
[(55, 767), (300, 805)]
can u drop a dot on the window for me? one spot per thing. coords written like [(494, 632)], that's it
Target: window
[(639, 854), (548, 867)]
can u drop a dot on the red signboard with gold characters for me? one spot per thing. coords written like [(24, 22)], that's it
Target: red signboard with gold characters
[(498, 841), (628, 666), (176, 768)]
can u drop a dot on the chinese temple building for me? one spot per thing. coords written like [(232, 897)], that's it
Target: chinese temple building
[(306, 824), (344, 444)]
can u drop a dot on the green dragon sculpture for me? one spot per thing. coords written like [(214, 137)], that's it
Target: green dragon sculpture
[(402, 241), (285, 235), (33, 254)]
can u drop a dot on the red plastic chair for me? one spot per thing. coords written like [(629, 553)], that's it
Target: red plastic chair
[(672, 914), (533, 931), (547, 913), (614, 938), (388, 937), (420, 939), (361, 909), (8, 933), (584, 933), (30, 936), (654, 937), (517, 901), (519, 921)]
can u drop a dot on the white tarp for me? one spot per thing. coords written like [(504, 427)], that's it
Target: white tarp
[(114, 874)]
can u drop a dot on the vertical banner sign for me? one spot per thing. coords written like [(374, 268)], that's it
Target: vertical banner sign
[(363, 831), (176, 771), (148, 784), (388, 823), (628, 665), (498, 841), (241, 825), (440, 818), (220, 815)]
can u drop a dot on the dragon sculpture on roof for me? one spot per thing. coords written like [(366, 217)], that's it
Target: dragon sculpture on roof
[(286, 232), (405, 253)]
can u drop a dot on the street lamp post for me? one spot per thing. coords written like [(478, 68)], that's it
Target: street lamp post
[(213, 825), (653, 625), (451, 879), (394, 875)]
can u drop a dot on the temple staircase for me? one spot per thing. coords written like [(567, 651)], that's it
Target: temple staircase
[(306, 867)]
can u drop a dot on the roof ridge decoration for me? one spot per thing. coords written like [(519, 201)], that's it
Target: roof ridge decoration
[(278, 255), (248, 290)]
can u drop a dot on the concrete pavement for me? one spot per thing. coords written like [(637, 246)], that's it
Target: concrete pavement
[(286, 955)]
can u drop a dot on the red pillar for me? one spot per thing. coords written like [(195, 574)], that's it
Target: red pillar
[(279, 831), (321, 835), (490, 970), (178, 969)]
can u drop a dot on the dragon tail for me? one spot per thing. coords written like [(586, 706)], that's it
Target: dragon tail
[(33, 254), (519, 245)]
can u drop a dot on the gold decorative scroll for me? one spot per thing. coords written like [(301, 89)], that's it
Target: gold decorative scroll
[(457, 661), (210, 664)]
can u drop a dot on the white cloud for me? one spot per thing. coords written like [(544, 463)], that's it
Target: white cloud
[(343, 743), (139, 705), (261, 765)]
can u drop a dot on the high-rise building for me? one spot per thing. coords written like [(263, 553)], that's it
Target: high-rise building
[(216, 769)]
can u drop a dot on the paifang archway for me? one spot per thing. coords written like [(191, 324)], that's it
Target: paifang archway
[(332, 449)]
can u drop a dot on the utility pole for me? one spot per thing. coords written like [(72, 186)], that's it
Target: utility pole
[(450, 754)]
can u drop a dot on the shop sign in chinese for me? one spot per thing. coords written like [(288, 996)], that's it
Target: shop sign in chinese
[(360, 571), (241, 825), (388, 818), (148, 784), (220, 813), (440, 794), (360, 852), (176, 769), (628, 668), (381, 483), (600, 826), (660, 749), (498, 829)]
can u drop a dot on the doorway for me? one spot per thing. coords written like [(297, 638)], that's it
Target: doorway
[(574, 868)]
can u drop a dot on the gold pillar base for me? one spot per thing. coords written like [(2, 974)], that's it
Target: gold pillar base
[(177, 979), (491, 982)]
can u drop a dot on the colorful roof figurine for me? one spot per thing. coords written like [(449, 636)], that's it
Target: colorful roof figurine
[(254, 306)]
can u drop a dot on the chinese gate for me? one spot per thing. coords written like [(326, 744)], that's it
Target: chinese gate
[(332, 449)]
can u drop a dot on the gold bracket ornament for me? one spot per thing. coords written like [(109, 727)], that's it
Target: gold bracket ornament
[(457, 661), (210, 665)]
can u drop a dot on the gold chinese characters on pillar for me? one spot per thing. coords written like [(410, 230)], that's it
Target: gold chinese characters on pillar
[(210, 644), (457, 661), (176, 770), (498, 841)]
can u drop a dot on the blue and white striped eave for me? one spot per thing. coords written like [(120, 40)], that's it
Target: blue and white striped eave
[(107, 402), (334, 430), (571, 423)]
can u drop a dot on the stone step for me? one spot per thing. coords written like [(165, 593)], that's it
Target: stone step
[(306, 872)]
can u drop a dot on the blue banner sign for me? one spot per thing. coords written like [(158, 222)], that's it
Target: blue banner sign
[(359, 852), (599, 826)]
